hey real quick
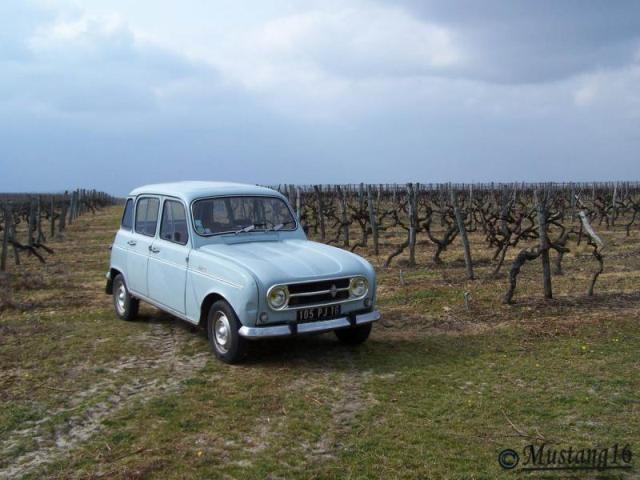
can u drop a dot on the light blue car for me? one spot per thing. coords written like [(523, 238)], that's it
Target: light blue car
[(234, 259)]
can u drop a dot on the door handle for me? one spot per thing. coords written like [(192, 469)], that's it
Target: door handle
[(131, 242), (153, 249)]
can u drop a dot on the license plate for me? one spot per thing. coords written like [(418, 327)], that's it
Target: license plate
[(318, 313)]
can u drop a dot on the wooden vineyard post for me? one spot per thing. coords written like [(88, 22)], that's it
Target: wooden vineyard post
[(74, 206), (343, 213), (72, 198), (5, 237), (71, 205), (573, 204), (463, 235), (320, 207), (412, 223), (372, 220), (52, 218), (12, 235), (291, 194), (361, 198), (544, 243), (63, 213), (614, 207), (31, 223), (76, 210), (41, 237), (471, 204)]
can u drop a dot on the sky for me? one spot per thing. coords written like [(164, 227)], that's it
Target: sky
[(113, 94)]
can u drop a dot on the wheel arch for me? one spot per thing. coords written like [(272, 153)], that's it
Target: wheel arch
[(209, 300), (113, 273)]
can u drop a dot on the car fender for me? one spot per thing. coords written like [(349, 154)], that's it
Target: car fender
[(210, 276)]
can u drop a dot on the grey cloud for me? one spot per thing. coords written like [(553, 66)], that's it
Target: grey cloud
[(520, 41)]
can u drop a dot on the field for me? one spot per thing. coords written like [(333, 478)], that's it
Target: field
[(437, 392)]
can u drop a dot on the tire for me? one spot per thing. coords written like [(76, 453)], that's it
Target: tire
[(125, 305), (223, 331), (354, 335)]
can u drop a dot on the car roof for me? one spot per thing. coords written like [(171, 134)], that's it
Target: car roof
[(191, 190)]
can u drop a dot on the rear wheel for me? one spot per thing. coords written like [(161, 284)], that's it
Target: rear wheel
[(223, 331), (125, 305), (354, 335)]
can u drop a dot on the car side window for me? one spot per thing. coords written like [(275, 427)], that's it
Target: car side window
[(173, 226), (127, 216), (147, 216)]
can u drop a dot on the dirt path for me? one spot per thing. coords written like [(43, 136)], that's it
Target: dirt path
[(51, 438), (350, 402), (345, 391)]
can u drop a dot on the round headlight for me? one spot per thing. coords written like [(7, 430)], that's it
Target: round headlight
[(278, 297), (358, 287)]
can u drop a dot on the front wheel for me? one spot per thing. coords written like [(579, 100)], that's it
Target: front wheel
[(354, 335), (125, 305), (224, 337)]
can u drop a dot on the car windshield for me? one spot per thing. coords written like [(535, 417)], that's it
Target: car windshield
[(241, 215)]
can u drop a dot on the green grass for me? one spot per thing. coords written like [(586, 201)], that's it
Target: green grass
[(435, 407), (453, 401)]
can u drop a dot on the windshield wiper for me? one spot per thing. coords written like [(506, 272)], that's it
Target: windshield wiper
[(254, 226), (277, 227), (246, 229)]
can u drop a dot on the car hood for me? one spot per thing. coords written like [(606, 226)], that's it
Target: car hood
[(286, 261)]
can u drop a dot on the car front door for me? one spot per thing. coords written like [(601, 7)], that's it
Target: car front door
[(167, 272), (145, 226)]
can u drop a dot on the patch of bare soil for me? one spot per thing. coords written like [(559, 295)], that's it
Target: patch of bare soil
[(405, 325), (81, 422), (351, 400), (347, 400)]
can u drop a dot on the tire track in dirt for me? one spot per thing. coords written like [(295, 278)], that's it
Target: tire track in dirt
[(352, 399), (162, 341), (349, 399)]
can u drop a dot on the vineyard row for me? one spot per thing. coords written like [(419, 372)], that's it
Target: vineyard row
[(29, 221), (535, 219)]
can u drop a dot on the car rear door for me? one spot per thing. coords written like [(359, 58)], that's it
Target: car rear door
[(167, 272), (124, 238), (145, 227)]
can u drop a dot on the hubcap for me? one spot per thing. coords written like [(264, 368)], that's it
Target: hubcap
[(121, 298), (221, 331)]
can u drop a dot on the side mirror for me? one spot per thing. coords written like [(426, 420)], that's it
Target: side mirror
[(177, 237), (305, 228)]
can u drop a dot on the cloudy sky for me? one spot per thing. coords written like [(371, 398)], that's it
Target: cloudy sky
[(111, 94)]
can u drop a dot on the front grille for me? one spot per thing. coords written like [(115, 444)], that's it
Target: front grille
[(307, 287), (318, 293), (318, 298)]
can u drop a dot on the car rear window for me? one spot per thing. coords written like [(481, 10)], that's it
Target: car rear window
[(127, 216)]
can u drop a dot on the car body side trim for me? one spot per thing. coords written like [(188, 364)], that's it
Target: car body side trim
[(213, 277), (162, 307)]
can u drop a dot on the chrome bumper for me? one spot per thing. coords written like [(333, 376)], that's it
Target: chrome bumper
[(311, 327)]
